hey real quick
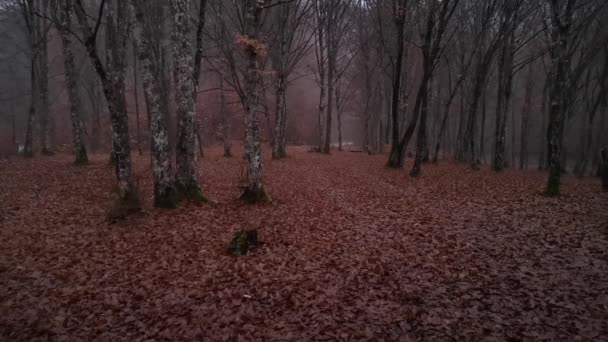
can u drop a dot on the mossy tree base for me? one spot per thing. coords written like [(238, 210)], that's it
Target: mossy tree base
[(166, 198), (191, 193), (396, 158), (253, 195), (552, 187), (125, 206), (243, 242), (279, 155), (416, 172)]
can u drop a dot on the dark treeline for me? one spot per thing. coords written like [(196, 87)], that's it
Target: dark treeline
[(507, 83)]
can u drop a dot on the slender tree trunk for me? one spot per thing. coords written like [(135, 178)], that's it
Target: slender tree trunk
[(320, 50), (459, 155), (278, 141), (14, 130), (28, 150), (115, 98), (504, 100), (71, 76), (482, 140), (525, 113), (557, 104), (604, 168), (136, 98), (227, 122), (542, 158), (254, 190), (280, 123), (187, 179), (331, 65), (147, 43), (421, 139), (397, 152), (43, 80), (469, 135)]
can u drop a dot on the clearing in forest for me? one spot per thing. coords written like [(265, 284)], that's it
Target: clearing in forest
[(352, 251)]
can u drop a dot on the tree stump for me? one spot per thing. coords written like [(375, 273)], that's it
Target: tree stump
[(243, 242), (604, 168)]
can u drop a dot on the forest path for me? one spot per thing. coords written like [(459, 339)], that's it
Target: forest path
[(353, 250)]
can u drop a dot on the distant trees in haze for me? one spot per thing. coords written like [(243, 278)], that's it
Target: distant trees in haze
[(503, 82)]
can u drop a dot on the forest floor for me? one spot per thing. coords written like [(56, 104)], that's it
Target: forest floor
[(353, 251)]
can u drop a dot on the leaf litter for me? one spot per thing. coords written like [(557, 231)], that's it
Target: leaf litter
[(353, 251)]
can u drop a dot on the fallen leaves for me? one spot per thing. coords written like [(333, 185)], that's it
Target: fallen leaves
[(353, 251)]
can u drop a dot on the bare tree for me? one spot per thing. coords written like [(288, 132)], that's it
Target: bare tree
[(568, 26), (397, 153), (187, 68), (287, 47), (112, 80), (438, 17), (149, 15), (254, 47), (62, 18)]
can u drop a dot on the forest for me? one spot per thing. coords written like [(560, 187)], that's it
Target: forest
[(278, 170)]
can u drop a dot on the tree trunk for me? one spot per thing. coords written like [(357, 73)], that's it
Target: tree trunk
[(43, 80), (115, 98), (421, 139), (148, 42), (136, 98), (280, 125), (468, 152), (542, 158), (28, 149), (331, 64), (557, 104), (187, 179), (505, 82), (397, 152), (525, 113), (339, 113), (320, 51), (226, 121), (254, 189), (604, 168), (482, 140), (71, 76)]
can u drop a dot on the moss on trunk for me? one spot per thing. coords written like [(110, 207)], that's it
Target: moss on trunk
[(189, 192), (167, 198), (255, 194), (552, 186), (125, 206)]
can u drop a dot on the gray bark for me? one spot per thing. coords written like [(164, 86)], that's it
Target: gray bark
[(43, 77), (148, 49), (187, 175), (505, 81), (226, 130), (561, 25), (397, 153), (112, 80), (604, 168), (71, 76), (525, 114), (253, 190)]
